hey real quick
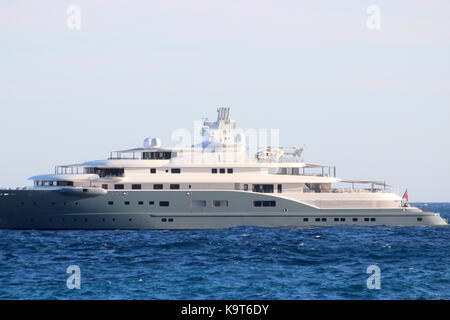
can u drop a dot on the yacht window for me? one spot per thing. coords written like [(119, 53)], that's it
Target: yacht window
[(264, 188), (269, 203), (105, 172), (214, 170), (355, 219), (336, 219), (198, 203), (366, 219), (46, 183), (220, 203), (222, 170), (305, 219), (372, 219), (119, 186), (158, 155), (127, 203), (342, 219), (257, 203), (157, 186), (39, 183), (104, 186), (152, 170), (230, 170), (136, 186), (110, 203), (151, 203), (280, 188), (317, 219), (175, 170), (324, 219), (245, 187), (419, 219), (140, 203), (65, 183), (174, 186), (164, 203)]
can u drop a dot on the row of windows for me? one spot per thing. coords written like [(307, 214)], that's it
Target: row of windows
[(264, 203), (141, 203), (139, 187), (202, 203), (222, 170), (173, 170), (341, 219), (54, 183), (103, 219), (262, 188)]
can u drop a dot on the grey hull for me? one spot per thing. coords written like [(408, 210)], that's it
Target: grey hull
[(135, 209)]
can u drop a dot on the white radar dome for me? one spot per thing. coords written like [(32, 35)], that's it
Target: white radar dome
[(152, 142)]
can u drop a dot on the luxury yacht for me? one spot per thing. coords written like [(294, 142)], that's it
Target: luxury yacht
[(212, 184)]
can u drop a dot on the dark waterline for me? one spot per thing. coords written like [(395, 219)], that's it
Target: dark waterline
[(237, 263)]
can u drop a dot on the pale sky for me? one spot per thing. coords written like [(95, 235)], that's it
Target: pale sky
[(373, 102)]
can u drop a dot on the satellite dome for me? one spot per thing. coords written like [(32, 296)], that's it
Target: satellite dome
[(152, 142)]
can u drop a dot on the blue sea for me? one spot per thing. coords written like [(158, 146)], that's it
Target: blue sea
[(236, 263)]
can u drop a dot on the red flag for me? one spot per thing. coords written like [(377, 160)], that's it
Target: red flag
[(406, 198)]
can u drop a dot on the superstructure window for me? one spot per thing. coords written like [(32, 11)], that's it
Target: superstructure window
[(65, 183), (355, 219), (105, 186), (213, 170), (157, 186), (264, 188), (305, 219), (220, 203), (158, 155), (175, 170), (119, 186), (152, 170), (222, 170), (136, 186), (245, 187), (257, 203), (230, 170), (174, 186), (105, 172), (164, 203)]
